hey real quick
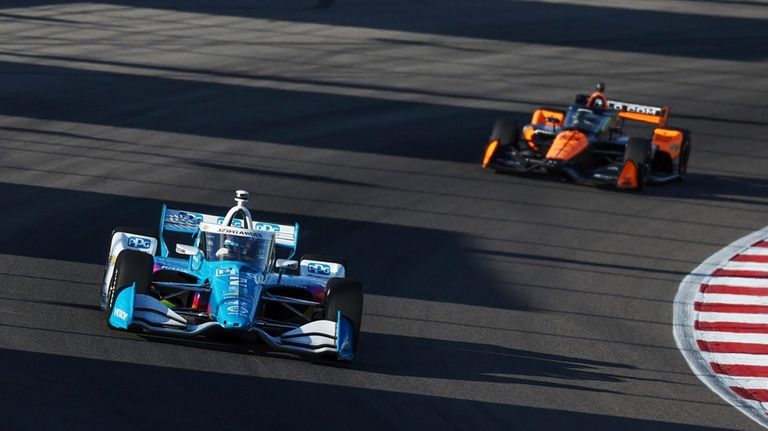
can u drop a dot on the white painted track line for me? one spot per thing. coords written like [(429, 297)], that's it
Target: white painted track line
[(732, 317), (733, 337), (737, 281), (716, 298)]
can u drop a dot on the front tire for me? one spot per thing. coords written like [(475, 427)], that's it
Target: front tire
[(506, 133), (638, 151), (105, 302), (131, 267), (345, 296)]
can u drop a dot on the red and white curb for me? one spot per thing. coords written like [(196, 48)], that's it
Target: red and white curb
[(721, 323)]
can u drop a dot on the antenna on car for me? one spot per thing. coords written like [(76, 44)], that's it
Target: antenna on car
[(241, 198)]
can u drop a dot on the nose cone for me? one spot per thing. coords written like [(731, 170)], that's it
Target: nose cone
[(553, 164), (567, 145), (235, 295), (236, 313)]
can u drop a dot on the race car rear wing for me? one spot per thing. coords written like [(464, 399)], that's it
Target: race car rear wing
[(657, 115), (187, 222)]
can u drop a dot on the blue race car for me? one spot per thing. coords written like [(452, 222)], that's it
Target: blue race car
[(226, 276)]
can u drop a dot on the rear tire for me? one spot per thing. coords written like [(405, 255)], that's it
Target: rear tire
[(685, 154), (131, 267), (345, 296), (639, 151)]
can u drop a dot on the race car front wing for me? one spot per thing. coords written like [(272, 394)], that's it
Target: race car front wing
[(316, 337)]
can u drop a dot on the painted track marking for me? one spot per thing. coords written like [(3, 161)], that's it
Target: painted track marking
[(721, 323)]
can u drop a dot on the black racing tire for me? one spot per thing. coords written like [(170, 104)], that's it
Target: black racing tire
[(324, 258), (131, 266), (128, 230), (685, 155), (506, 131), (346, 296), (639, 151)]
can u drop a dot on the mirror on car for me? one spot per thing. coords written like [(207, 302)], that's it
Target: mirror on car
[(553, 120), (187, 250), (287, 264)]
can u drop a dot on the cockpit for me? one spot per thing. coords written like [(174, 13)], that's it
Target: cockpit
[(588, 120), (250, 250)]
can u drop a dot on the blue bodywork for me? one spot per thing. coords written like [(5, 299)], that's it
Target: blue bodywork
[(192, 295)]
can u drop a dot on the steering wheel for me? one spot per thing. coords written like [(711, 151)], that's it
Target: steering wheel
[(595, 97)]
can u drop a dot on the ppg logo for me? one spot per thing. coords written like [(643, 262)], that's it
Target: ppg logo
[(319, 268), (268, 227), (236, 222), (140, 243), (186, 218)]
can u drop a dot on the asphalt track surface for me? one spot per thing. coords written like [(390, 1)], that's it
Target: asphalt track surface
[(492, 302)]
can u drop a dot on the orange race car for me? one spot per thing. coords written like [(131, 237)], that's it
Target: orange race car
[(587, 143)]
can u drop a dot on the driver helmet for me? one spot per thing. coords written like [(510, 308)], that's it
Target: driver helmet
[(230, 242), (229, 246), (597, 99)]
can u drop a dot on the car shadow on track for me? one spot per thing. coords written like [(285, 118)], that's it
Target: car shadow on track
[(559, 261), (46, 391), (474, 362), (75, 226), (713, 189), (478, 362), (457, 360), (246, 112), (723, 189)]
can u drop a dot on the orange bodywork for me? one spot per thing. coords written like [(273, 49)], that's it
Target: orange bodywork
[(668, 140), (528, 132), (659, 120), (489, 150), (567, 145), (540, 116), (628, 177)]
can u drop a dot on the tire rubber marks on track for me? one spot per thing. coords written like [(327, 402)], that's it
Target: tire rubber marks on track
[(721, 323)]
